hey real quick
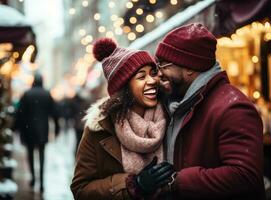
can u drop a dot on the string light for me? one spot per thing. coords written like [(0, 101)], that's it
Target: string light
[(101, 29), (150, 18), (267, 37), (139, 11), (97, 16), (134, 0), (88, 38), (173, 2), (129, 5), (131, 36), (83, 41), (255, 59), (82, 32), (111, 4), (267, 25), (118, 31), (21, 0), (72, 11), (133, 20), (126, 29), (256, 94), (15, 54), (109, 34), (152, 1), (114, 17), (85, 3), (139, 28), (89, 48), (159, 14)]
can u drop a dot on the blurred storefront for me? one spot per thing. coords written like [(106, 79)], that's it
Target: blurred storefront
[(17, 45)]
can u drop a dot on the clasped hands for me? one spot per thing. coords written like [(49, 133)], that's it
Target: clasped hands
[(155, 176)]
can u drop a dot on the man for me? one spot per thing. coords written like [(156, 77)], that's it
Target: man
[(35, 107), (214, 136)]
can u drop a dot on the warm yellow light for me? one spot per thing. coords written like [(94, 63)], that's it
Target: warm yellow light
[(89, 48), (234, 36), (139, 28), (233, 68), (85, 3), (21, 0), (159, 14), (83, 41), (82, 32), (255, 59), (101, 29), (267, 25), (129, 5), (72, 11), (88, 38), (111, 4), (114, 17), (97, 16), (150, 18), (126, 29), (131, 36), (133, 20), (256, 94), (15, 54), (109, 34), (267, 37), (139, 11), (118, 31), (88, 57), (173, 2), (254, 25), (118, 22), (134, 0), (152, 1)]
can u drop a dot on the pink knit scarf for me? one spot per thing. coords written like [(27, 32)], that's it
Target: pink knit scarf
[(141, 138)]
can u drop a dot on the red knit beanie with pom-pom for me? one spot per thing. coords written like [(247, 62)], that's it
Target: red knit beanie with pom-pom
[(119, 64)]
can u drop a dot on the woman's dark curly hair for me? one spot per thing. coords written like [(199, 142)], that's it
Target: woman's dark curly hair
[(117, 107)]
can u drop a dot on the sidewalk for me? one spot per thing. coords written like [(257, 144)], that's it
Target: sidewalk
[(58, 169)]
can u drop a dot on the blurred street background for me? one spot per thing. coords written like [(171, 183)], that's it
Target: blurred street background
[(55, 38)]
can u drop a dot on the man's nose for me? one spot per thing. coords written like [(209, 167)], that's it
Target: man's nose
[(160, 74)]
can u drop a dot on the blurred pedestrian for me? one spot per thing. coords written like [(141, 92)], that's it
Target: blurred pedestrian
[(123, 136), (35, 108), (80, 105), (215, 135)]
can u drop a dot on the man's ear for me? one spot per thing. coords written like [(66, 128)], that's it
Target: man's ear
[(190, 72)]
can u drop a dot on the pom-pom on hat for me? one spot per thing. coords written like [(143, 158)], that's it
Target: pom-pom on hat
[(191, 46), (119, 64)]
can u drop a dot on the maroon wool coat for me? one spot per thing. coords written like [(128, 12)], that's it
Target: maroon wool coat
[(218, 151)]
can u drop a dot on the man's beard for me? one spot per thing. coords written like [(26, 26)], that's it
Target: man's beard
[(179, 88)]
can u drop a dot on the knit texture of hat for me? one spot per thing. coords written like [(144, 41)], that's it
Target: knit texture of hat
[(119, 64), (191, 46)]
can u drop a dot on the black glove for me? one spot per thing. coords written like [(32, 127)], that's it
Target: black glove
[(154, 176)]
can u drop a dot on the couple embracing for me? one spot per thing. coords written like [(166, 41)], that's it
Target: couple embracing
[(171, 128)]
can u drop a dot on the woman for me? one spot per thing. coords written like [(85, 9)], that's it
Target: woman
[(123, 133)]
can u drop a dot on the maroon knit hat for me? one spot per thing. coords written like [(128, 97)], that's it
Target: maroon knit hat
[(119, 64), (191, 46)]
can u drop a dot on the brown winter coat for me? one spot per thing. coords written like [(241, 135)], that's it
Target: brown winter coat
[(99, 173)]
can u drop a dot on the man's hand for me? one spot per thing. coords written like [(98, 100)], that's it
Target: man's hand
[(154, 176)]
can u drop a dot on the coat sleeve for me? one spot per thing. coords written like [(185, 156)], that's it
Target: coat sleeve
[(86, 184), (240, 147)]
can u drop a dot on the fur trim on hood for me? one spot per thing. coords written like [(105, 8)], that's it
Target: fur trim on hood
[(94, 115)]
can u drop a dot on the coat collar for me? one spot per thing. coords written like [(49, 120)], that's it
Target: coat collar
[(95, 120), (218, 79)]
